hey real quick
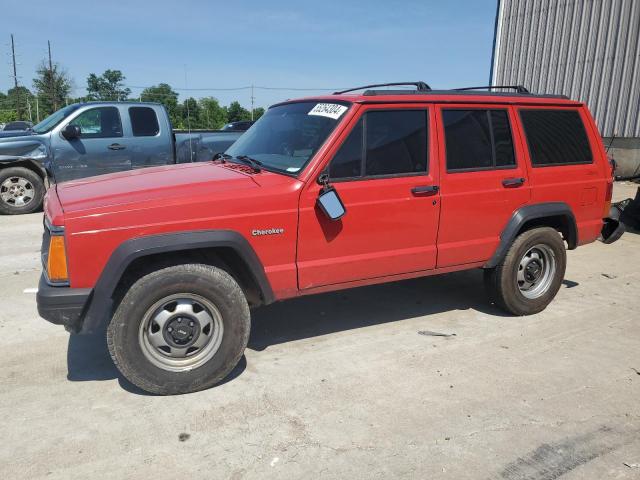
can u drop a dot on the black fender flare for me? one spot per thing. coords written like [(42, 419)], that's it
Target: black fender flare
[(526, 214), (100, 303)]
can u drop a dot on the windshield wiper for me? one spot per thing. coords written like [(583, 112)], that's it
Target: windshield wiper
[(252, 162), (222, 157)]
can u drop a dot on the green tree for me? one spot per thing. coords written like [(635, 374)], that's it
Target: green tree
[(235, 112), (164, 94), (21, 100), (258, 112), (212, 115), (107, 87), (190, 113), (52, 87), (7, 114)]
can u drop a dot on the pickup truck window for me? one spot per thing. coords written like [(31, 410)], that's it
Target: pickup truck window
[(286, 137), (101, 122), (54, 119), (555, 137), (144, 122), (477, 139)]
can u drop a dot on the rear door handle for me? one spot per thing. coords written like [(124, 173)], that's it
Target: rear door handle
[(425, 190), (513, 182), (116, 146)]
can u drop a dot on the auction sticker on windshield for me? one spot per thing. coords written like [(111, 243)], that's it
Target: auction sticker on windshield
[(331, 110)]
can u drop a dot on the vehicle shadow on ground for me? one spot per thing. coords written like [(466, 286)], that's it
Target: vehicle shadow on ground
[(316, 315), (323, 314), (88, 358)]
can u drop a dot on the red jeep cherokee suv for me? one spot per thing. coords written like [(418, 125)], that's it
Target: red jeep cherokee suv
[(322, 194)]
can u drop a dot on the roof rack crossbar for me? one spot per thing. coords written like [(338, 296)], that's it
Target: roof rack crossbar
[(517, 88), (420, 86)]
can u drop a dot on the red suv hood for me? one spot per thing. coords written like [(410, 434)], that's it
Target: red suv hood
[(171, 183)]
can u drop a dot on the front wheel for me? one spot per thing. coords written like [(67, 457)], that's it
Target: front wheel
[(21, 191), (180, 329), (531, 273)]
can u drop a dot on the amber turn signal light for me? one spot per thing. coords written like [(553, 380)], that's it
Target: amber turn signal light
[(57, 260)]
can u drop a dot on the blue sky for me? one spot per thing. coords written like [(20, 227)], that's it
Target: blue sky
[(321, 44)]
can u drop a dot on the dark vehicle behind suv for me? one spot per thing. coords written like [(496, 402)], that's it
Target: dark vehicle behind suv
[(19, 125), (238, 126)]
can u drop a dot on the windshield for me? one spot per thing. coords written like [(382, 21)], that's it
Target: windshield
[(287, 136), (54, 119)]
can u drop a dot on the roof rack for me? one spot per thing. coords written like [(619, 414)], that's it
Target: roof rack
[(517, 88), (420, 87)]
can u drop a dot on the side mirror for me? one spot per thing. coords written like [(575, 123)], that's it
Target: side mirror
[(330, 203), (71, 131)]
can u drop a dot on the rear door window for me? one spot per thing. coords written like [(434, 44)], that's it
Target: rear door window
[(144, 122), (477, 139), (555, 137)]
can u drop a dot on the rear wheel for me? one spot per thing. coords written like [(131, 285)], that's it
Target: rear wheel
[(531, 273), (21, 191), (180, 329)]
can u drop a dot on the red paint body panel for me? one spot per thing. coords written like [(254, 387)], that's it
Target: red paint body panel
[(387, 234), (387, 229), (105, 211), (475, 205), (583, 186)]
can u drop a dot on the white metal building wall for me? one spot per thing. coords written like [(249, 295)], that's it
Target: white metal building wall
[(588, 50)]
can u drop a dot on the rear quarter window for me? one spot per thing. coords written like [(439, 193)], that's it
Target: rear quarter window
[(144, 122), (555, 137)]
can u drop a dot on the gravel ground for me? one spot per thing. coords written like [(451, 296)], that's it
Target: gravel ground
[(345, 385)]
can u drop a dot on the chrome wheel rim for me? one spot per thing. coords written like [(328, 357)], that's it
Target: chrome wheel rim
[(17, 191), (536, 271), (181, 332)]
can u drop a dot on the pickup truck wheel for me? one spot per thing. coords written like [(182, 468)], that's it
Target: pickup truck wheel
[(21, 191), (530, 275), (180, 329)]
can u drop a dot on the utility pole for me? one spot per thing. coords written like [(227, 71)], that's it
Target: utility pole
[(13, 58), (252, 101), (52, 98), (37, 111), (15, 78)]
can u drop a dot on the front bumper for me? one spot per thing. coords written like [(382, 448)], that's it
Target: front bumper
[(62, 305)]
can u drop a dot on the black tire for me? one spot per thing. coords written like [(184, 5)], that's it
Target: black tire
[(33, 182), (502, 281), (124, 332)]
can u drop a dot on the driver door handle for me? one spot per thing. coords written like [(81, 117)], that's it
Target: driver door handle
[(513, 182), (116, 146), (425, 190)]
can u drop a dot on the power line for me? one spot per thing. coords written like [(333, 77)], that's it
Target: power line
[(249, 87)]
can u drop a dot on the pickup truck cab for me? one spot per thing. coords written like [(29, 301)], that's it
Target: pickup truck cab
[(95, 138), (322, 194)]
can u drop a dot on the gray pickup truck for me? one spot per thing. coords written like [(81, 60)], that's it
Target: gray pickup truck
[(96, 138)]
